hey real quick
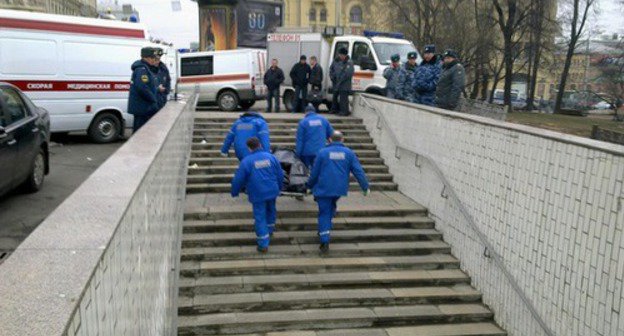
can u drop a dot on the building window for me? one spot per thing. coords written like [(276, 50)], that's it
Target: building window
[(323, 15), (355, 14), (312, 16)]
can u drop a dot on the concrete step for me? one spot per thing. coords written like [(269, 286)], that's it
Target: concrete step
[(282, 138), (227, 178), (217, 153), (225, 187), (233, 161), (452, 329), (248, 251), (330, 318), (309, 237), (273, 125), (314, 264), (213, 169), (311, 299), (288, 144), (271, 118), (282, 132), (308, 209), (190, 286), (310, 224)]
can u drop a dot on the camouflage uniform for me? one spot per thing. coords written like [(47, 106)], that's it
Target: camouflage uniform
[(409, 88), (426, 80), (395, 79)]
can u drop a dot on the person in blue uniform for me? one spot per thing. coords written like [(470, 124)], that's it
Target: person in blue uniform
[(329, 181), (312, 134), (142, 99), (250, 124), (164, 79), (261, 175)]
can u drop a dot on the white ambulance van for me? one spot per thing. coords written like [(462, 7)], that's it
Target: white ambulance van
[(229, 78), (370, 55), (76, 68)]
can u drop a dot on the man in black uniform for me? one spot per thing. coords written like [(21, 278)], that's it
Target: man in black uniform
[(143, 100), (164, 79), (341, 74), (300, 76)]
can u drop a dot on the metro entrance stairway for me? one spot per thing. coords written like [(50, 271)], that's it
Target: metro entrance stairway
[(388, 271)]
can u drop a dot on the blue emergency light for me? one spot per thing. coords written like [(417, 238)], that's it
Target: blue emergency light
[(372, 33)]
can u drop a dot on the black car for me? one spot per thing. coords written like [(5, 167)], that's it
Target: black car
[(24, 139)]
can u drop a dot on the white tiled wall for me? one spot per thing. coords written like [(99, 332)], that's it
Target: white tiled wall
[(551, 205)]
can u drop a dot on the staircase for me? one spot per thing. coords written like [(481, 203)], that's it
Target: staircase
[(388, 271)]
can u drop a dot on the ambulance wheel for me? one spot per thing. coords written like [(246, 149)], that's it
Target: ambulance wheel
[(105, 128), (247, 104), (289, 100), (228, 101)]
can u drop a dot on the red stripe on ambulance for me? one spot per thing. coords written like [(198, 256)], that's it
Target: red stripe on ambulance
[(70, 28), (73, 86)]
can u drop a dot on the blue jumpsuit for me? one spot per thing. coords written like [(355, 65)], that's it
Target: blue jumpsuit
[(329, 181), (261, 175), (312, 135), (250, 124)]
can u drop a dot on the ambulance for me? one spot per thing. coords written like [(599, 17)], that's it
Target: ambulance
[(76, 68), (370, 54)]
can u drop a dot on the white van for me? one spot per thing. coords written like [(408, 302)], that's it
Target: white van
[(370, 56), (76, 68), (229, 78)]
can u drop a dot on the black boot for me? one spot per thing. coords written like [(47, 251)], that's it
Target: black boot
[(324, 247)]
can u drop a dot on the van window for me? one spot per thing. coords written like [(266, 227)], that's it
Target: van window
[(98, 60), (361, 49), (340, 45), (197, 66), (28, 57)]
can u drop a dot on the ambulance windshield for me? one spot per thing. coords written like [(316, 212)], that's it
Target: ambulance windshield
[(385, 50)]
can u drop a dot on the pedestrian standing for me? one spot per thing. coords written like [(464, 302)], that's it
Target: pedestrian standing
[(427, 76), (451, 83), (250, 124), (164, 79), (313, 132), (300, 76), (341, 74), (329, 181), (273, 78), (143, 99), (316, 83), (409, 87), (261, 175), (395, 78)]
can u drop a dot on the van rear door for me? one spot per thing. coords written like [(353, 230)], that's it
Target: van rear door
[(258, 70)]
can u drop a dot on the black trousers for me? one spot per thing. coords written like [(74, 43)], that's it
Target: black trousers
[(340, 102)]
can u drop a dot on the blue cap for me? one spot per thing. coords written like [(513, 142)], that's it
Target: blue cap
[(395, 58), (450, 53), (430, 48), (310, 108)]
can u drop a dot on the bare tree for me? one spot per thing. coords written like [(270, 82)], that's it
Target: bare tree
[(611, 76), (541, 31), (575, 14)]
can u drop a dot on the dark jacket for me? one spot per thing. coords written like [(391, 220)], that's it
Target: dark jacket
[(300, 74), (163, 77), (249, 124), (426, 81), (316, 75), (330, 173), (450, 86), (261, 175), (142, 100), (341, 74), (273, 78)]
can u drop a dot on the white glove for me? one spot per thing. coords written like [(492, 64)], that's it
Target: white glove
[(366, 192), (224, 154)]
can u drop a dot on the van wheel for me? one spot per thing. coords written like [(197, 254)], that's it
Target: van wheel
[(228, 101), (289, 100), (247, 104), (105, 128), (37, 173)]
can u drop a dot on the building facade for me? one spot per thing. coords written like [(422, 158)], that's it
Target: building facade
[(65, 7), (353, 15)]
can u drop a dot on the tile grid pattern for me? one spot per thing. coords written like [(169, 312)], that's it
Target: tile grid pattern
[(552, 209)]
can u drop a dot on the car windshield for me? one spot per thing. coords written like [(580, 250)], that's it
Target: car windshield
[(386, 50)]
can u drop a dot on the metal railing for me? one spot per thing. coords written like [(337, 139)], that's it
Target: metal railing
[(449, 193)]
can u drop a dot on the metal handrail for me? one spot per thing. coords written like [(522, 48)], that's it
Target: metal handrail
[(449, 193)]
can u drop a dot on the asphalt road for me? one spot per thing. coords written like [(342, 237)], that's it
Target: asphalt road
[(72, 160)]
